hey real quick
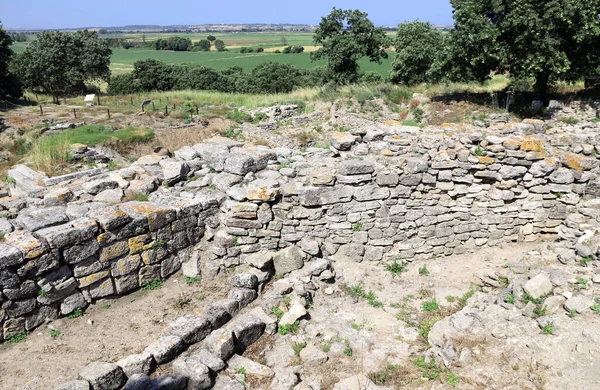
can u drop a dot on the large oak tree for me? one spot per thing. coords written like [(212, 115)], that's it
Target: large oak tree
[(59, 63)]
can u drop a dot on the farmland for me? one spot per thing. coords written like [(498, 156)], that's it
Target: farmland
[(122, 60)]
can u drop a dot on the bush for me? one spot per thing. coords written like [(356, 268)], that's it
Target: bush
[(276, 77), (123, 84), (260, 50)]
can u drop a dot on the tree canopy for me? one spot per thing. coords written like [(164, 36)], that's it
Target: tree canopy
[(220, 45), (541, 40), (9, 85), (346, 36), (59, 63), (417, 47)]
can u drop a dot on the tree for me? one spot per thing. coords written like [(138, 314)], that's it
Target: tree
[(542, 40), (220, 45), (417, 46), (9, 85), (202, 45), (153, 75), (276, 77), (102, 31), (347, 36), (211, 38), (59, 63)]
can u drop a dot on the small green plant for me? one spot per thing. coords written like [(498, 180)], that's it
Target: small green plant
[(516, 367), (298, 347), (76, 313), (539, 311), (326, 347), (509, 298), (396, 268), (241, 371), (17, 338), (105, 306), (452, 379), (112, 165), (431, 305), (2, 236), (559, 195), (430, 370), (423, 271), (358, 291), (355, 326), (190, 280), (54, 333), (159, 244), (462, 301), (141, 197), (357, 227), (153, 285), (348, 351), (596, 306), (43, 293), (528, 298), (450, 298), (277, 311), (480, 152), (586, 260), (572, 313), (287, 300), (548, 328), (582, 283), (10, 180), (570, 120), (288, 328)]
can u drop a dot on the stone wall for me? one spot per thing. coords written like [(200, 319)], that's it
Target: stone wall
[(383, 193)]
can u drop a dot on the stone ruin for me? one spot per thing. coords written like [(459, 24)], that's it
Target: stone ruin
[(380, 194)]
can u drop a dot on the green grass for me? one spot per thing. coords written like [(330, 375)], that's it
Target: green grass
[(153, 285), (431, 305), (582, 283), (509, 298), (54, 333), (548, 328), (586, 260), (17, 338), (348, 351), (189, 280), (528, 298), (240, 370), (288, 328), (423, 271), (201, 298), (298, 347), (357, 227), (358, 291), (277, 311), (430, 370), (122, 60), (48, 153), (76, 314), (396, 268)]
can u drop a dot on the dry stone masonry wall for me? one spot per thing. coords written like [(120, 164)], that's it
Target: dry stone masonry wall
[(379, 193)]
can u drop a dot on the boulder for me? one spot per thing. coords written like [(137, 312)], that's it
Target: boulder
[(288, 260), (539, 286), (103, 376)]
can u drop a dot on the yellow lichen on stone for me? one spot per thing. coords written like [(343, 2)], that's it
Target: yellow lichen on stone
[(93, 278), (573, 161), (139, 243), (531, 144), (486, 160), (392, 122)]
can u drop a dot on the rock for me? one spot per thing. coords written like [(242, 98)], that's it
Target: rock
[(192, 368), (245, 280), (136, 364), (246, 331), (296, 312), (190, 328), (209, 359), (553, 304), (251, 367), (358, 382), (539, 286), (562, 176), (36, 219), (103, 376), (342, 141), (165, 348), (309, 245), (110, 196), (242, 295), (239, 164), (288, 260), (356, 167), (313, 356), (173, 171), (74, 385), (579, 303), (226, 383), (221, 343), (95, 187)]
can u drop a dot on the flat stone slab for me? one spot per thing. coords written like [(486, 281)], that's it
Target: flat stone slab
[(103, 376), (71, 176), (238, 362), (165, 349)]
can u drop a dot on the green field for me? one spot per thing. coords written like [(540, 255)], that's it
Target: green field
[(122, 60)]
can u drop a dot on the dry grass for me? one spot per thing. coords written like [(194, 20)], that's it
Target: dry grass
[(174, 139)]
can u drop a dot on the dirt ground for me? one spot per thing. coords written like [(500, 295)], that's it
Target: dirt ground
[(108, 331)]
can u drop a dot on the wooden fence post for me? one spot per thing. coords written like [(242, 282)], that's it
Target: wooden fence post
[(166, 110), (131, 98), (41, 110), (108, 112), (75, 113), (98, 97), (153, 108)]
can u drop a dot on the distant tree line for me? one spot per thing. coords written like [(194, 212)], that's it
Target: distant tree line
[(270, 77), (18, 37)]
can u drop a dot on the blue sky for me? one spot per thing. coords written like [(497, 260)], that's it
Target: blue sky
[(16, 14)]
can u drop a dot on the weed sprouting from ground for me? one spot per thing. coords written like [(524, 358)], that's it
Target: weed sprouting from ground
[(153, 285), (396, 268), (76, 313), (358, 291)]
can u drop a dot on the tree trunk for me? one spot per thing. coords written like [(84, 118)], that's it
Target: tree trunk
[(541, 86)]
